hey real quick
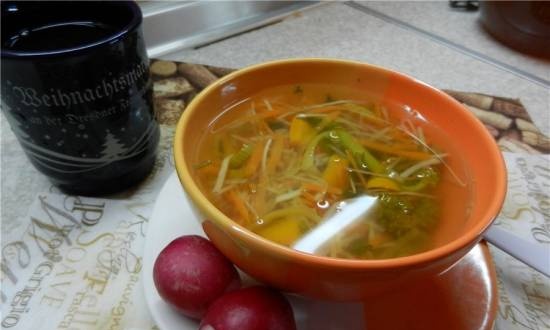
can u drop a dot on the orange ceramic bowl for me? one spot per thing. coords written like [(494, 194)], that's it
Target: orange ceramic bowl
[(331, 278)]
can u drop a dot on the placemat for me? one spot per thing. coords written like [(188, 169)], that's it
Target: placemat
[(505, 118), (74, 262)]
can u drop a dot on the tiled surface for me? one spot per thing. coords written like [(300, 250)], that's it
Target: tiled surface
[(337, 30)]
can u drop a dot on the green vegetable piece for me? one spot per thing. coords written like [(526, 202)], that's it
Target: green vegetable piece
[(424, 178), (413, 241), (275, 125), (202, 164), (357, 150), (358, 247), (344, 139), (308, 161), (240, 158), (399, 214), (313, 121)]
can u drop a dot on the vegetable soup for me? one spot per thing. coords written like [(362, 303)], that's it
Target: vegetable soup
[(325, 170)]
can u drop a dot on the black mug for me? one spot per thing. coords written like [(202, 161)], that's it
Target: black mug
[(77, 92)]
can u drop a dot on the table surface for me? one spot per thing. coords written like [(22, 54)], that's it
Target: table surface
[(445, 48)]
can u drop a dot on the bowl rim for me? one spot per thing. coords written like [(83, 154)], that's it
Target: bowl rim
[(468, 238)]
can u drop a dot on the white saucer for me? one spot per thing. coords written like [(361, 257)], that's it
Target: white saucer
[(474, 302)]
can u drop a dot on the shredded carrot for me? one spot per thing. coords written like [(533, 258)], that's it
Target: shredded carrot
[(276, 153), (308, 203), (328, 119), (379, 239), (310, 186), (309, 197), (254, 161), (372, 119), (402, 138), (409, 154), (366, 115), (209, 170), (259, 201), (328, 108), (239, 206), (275, 112)]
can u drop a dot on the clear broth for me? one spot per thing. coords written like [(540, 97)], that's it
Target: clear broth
[(452, 193)]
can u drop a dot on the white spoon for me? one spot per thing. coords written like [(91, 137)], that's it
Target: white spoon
[(536, 256), (346, 213), (349, 211)]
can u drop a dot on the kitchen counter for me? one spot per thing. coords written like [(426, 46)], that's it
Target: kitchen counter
[(429, 41)]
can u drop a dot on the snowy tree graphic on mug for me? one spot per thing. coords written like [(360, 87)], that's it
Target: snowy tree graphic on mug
[(112, 150), (112, 147)]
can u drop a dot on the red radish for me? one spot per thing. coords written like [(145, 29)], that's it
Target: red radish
[(252, 308), (190, 273)]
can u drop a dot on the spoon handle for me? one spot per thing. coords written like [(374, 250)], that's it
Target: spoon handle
[(536, 256)]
